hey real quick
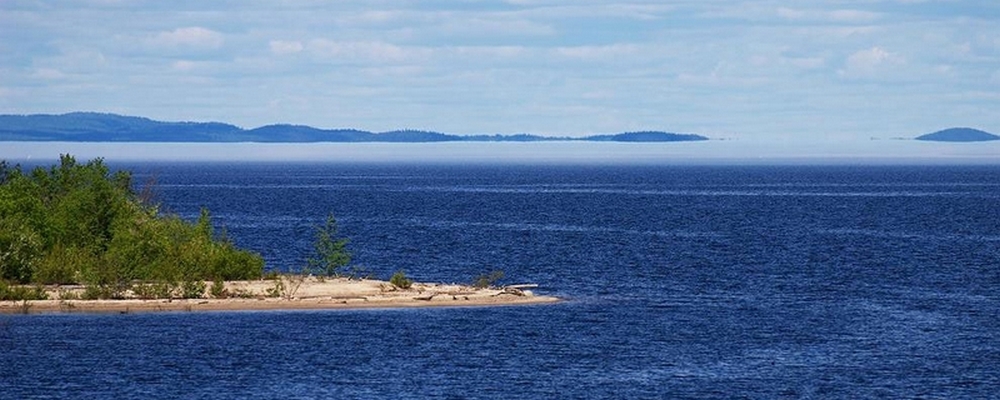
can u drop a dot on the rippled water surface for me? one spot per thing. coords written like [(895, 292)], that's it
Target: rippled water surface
[(682, 282)]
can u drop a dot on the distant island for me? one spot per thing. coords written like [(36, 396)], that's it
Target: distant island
[(101, 127), (959, 135)]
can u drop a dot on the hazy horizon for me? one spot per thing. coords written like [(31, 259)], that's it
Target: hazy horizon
[(713, 152)]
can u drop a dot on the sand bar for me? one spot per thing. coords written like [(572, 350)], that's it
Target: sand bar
[(294, 294)]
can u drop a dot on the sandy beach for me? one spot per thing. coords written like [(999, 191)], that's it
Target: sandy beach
[(294, 294)]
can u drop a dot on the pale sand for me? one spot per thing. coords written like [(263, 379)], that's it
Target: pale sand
[(297, 294)]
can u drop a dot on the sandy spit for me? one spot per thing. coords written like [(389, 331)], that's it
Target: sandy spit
[(292, 294)]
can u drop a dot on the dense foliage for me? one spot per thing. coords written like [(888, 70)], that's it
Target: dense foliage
[(82, 224)]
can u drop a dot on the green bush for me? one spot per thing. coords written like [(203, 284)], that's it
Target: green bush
[(154, 290), (192, 289), (400, 280), (487, 280), (218, 289), (61, 265), (20, 249), (101, 292), (20, 292), (277, 290), (80, 223)]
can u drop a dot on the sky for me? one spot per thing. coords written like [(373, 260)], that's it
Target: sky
[(833, 70)]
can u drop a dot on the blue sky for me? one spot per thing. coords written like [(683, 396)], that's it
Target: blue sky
[(775, 70)]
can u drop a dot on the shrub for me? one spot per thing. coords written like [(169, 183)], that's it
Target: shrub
[(20, 247), (20, 293), (143, 291), (277, 290), (100, 292), (242, 293), (400, 280), (61, 264), (155, 290), (192, 289), (272, 276), (487, 280), (218, 289), (68, 295)]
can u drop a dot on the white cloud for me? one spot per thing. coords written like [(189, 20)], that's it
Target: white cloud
[(48, 74), (489, 26), (870, 62), (853, 16), (840, 16), (788, 13), (184, 65), (194, 37), (848, 32), (641, 12), (606, 53), (398, 71), (283, 47), (365, 52), (487, 53), (378, 16), (807, 62)]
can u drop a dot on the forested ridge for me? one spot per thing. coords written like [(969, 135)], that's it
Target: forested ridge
[(101, 127), (76, 223)]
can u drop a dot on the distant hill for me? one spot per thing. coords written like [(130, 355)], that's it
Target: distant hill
[(647, 136), (101, 127), (412, 136), (302, 133), (98, 127), (959, 135)]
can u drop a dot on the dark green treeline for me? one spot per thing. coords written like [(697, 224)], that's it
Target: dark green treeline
[(78, 223)]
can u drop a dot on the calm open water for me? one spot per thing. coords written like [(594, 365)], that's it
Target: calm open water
[(682, 282)]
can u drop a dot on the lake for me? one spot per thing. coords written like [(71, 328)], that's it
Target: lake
[(681, 281)]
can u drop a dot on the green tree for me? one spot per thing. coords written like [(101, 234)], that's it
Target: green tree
[(20, 247), (81, 223), (400, 280), (487, 280), (331, 254)]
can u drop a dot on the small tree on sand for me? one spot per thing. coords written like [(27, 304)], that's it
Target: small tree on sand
[(331, 251), (400, 280)]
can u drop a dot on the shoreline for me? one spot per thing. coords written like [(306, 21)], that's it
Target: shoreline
[(306, 294)]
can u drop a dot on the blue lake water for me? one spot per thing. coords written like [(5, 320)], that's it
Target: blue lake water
[(681, 282)]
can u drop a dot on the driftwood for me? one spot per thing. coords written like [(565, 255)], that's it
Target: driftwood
[(517, 290), (523, 286)]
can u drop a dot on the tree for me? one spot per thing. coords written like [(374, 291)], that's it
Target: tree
[(331, 251), (20, 247), (80, 223), (400, 280)]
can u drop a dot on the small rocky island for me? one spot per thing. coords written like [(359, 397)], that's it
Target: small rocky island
[(959, 135)]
